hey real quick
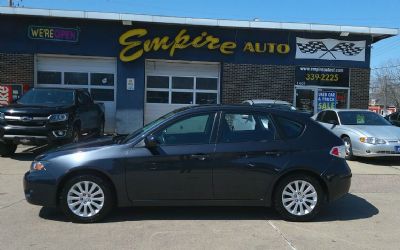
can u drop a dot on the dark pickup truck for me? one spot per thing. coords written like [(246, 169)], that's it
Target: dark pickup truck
[(49, 116)]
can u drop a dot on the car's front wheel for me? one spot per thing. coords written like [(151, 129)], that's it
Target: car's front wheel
[(86, 198), (349, 148), (298, 197)]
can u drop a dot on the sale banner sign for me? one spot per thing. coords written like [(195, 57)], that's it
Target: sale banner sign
[(5, 95), (326, 100)]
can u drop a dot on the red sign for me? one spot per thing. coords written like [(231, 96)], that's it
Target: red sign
[(5, 95)]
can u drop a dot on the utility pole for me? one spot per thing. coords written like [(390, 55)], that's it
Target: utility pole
[(385, 82), (10, 3)]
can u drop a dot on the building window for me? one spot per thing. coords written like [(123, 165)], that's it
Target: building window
[(102, 79), (105, 95), (181, 90), (76, 78), (47, 77)]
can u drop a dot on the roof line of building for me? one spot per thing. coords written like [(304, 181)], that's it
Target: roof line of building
[(375, 32)]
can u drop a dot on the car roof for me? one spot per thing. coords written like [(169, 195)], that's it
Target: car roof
[(267, 101), (239, 107), (347, 110)]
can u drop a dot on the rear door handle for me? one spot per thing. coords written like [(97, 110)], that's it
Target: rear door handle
[(200, 157)]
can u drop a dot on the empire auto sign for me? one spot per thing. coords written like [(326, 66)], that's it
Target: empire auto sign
[(137, 42), (134, 46)]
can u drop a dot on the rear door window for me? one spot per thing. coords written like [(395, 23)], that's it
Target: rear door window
[(245, 127), (290, 128), (330, 117)]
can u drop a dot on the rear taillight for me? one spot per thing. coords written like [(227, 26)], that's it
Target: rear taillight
[(338, 151)]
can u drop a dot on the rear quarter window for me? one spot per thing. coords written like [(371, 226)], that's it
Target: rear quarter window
[(290, 128)]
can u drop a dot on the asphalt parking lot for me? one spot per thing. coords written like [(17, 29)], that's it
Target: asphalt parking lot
[(367, 218)]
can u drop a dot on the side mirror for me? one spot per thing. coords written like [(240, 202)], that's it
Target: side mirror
[(333, 122), (150, 142)]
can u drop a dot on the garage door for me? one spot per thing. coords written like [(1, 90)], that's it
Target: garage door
[(171, 85), (97, 75)]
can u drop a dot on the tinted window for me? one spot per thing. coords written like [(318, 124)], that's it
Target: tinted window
[(241, 127), (102, 79), (182, 82), (74, 78), (157, 97), (46, 77), (290, 128), (206, 98), (192, 130), (158, 82), (362, 118), (207, 83), (330, 117), (105, 95), (320, 115)]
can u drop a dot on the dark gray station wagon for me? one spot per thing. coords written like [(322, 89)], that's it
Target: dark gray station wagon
[(221, 155)]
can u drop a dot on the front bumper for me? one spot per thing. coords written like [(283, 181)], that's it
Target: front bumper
[(32, 135), (40, 189), (379, 150)]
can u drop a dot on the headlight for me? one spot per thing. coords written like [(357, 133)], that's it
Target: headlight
[(37, 166), (58, 117), (2, 116), (372, 140)]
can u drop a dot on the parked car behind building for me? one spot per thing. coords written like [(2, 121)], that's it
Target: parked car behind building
[(49, 115), (364, 132)]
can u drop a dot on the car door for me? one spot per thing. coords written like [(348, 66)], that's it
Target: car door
[(330, 121), (395, 119), (180, 167), (248, 152)]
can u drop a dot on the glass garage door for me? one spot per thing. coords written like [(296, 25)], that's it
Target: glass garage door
[(97, 75), (171, 85)]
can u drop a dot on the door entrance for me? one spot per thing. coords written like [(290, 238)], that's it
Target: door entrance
[(313, 99)]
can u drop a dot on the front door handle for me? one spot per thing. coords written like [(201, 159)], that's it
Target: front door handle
[(273, 153), (200, 157)]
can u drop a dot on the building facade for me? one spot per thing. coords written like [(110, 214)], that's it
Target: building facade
[(141, 67)]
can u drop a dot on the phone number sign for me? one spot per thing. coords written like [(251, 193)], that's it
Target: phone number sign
[(326, 100), (322, 76)]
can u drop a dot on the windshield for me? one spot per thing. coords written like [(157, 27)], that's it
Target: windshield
[(362, 118), (151, 125), (48, 97)]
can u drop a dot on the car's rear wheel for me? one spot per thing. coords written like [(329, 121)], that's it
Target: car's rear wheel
[(86, 198), (7, 148), (349, 148), (298, 197)]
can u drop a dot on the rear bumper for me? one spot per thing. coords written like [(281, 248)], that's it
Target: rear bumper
[(40, 189), (337, 179)]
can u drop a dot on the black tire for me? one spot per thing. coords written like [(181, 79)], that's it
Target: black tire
[(100, 130), (349, 154), (76, 135), (279, 203), (106, 208), (7, 149)]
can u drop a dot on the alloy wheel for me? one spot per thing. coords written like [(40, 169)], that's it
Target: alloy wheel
[(299, 197), (85, 199)]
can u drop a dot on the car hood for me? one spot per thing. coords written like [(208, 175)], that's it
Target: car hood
[(85, 146), (21, 109), (383, 132)]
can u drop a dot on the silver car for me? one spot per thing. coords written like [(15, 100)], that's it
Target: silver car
[(363, 132)]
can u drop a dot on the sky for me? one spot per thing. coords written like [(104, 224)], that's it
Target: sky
[(371, 13)]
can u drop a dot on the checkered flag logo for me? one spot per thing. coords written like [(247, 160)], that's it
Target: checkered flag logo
[(312, 47), (347, 48)]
